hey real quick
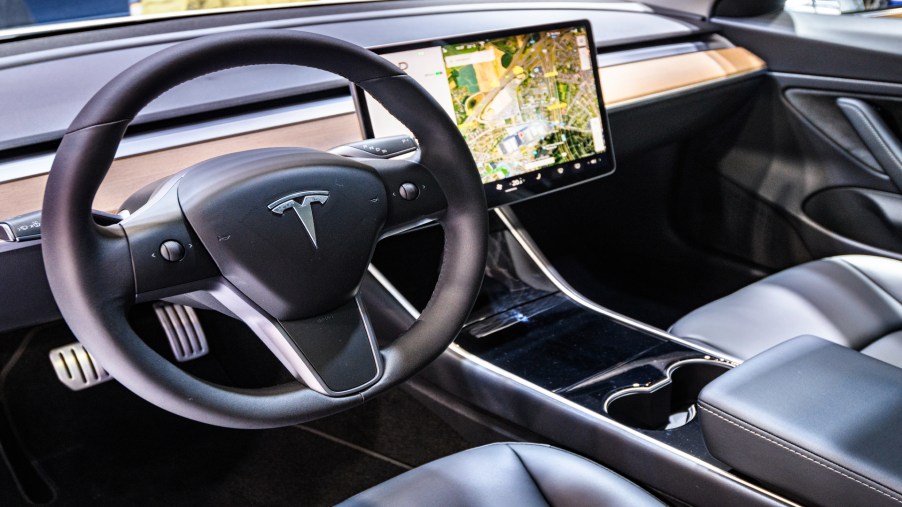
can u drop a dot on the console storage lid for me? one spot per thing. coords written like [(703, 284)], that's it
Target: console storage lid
[(819, 422)]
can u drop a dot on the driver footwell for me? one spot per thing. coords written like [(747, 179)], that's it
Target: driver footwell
[(106, 446)]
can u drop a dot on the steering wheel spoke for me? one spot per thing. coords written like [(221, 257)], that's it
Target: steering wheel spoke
[(414, 196), (167, 257), (334, 353), (109, 268)]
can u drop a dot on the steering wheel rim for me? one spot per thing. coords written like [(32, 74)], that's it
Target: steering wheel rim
[(86, 264)]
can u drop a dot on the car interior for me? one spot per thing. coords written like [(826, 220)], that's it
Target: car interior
[(424, 252)]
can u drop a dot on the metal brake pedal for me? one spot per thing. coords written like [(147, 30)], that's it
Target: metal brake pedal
[(76, 368), (183, 329)]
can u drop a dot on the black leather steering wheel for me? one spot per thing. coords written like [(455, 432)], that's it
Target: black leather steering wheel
[(280, 238)]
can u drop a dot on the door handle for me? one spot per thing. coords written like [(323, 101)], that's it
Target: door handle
[(876, 135)]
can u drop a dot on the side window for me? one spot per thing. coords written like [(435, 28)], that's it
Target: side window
[(881, 8)]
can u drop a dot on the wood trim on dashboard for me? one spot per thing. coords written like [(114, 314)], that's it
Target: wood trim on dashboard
[(884, 13), (129, 174), (640, 80), (621, 84)]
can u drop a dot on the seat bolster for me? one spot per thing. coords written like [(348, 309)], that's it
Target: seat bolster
[(485, 476), (849, 300), (506, 474), (888, 349), (568, 479), (883, 271)]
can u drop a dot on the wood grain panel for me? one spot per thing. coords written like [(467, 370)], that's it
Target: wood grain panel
[(638, 80), (888, 13), (131, 173), (621, 84)]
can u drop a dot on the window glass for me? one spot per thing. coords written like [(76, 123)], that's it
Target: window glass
[(838, 7), (26, 13)]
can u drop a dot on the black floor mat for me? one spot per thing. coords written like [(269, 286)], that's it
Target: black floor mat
[(106, 446), (395, 425)]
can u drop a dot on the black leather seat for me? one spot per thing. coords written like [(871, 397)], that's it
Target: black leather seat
[(506, 474), (852, 300)]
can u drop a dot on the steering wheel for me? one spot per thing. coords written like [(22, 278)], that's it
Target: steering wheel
[(280, 238)]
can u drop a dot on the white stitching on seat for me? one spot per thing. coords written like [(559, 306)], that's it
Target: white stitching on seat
[(778, 444)]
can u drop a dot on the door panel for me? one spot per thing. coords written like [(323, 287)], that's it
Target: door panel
[(813, 167), (867, 216), (846, 118), (877, 134)]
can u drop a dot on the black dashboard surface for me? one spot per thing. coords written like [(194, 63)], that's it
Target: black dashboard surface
[(44, 104)]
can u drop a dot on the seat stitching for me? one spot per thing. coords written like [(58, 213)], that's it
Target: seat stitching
[(879, 286), (580, 457), (778, 444), (529, 474), (869, 278)]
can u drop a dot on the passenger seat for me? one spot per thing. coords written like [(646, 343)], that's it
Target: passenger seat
[(853, 300)]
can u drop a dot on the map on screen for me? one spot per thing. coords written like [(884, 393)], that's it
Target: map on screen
[(522, 102), (525, 102)]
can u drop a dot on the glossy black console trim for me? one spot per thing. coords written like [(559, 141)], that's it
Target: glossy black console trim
[(557, 346), (522, 236), (649, 460), (525, 325), (554, 415)]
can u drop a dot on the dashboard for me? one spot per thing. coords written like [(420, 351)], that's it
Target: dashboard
[(658, 79), (644, 58)]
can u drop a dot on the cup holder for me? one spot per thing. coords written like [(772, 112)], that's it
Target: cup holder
[(668, 404)]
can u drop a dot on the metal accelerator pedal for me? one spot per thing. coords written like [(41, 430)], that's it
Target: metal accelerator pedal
[(186, 336), (77, 369)]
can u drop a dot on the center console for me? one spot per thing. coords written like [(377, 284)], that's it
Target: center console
[(535, 352), (536, 328), (813, 420), (807, 421), (539, 355)]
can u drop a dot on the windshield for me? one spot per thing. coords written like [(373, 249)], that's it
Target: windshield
[(50, 14)]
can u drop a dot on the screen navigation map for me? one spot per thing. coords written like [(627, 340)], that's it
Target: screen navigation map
[(523, 102)]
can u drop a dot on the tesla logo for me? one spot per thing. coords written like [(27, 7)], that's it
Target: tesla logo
[(302, 203)]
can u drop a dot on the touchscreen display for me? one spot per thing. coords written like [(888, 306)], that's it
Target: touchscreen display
[(528, 104)]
